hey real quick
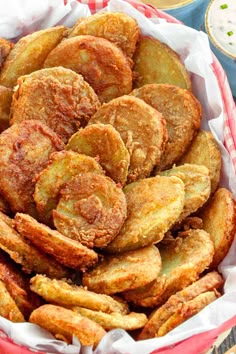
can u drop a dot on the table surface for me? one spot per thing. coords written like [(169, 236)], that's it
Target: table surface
[(227, 343)]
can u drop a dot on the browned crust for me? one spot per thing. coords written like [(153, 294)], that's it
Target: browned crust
[(8, 307)]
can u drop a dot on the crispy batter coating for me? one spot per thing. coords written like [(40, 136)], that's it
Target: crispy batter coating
[(197, 184), (59, 97), (126, 271), (105, 143), (92, 209), (119, 28), (62, 166), (142, 129), (17, 284), (103, 65), (5, 104), (205, 151), (68, 252), (5, 48), (29, 54), (155, 62), (66, 294), (64, 323), (182, 112), (8, 307), (30, 258), (208, 282), (219, 219), (110, 321), (4, 207), (153, 206), (24, 151)]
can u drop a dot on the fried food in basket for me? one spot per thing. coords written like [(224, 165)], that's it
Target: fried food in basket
[(142, 129), (4, 207), (103, 65), (63, 323), (68, 252), (159, 317), (24, 152), (5, 104), (59, 97), (62, 166), (29, 257), (117, 27), (197, 186), (29, 54), (182, 112), (219, 219), (153, 204), (91, 210), (104, 143), (125, 271), (5, 48), (205, 151), (155, 62), (8, 307), (67, 294)]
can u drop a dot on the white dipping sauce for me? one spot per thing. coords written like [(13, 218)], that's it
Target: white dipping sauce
[(221, 24)]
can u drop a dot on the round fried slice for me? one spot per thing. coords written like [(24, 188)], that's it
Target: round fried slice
[(66, 294), (59, 97), (117, 27), (5, 48), (182, 112), (128, 322), (64, 323), (92, 209), (68, 252), (62, 166), (24, 151), (5, 104), (8, 307), (197, 186), (142, 129), (103, 65), (219, 219), (126, 271), (104, 143), (155, 62), (153, 205), (205, 151)]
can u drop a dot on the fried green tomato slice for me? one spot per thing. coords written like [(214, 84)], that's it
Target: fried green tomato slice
[(66, 251), (182, 112), (5, 48), (24, 151), (153, 205), (141, 127), (8, 307), (102, 64), (68, 294), (104, 143), (126, 271), (59, 97), (117, 27), (62, 166), (5, 104), (92, 210)]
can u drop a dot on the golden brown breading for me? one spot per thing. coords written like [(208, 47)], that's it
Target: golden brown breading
[(105, 143), (182, 112), (205, 151), (126, 271), (29, 54), (8, 307), (31, 259), (153, 206), (5, 104), (64, 323), (92, 210), (67, 294), (4, 207), (117, 27), (5, 218), (62, 166), (24, 151), (103, 65), (219, 219), (208, 282), (5, 48), (68, 252), (155, 62), (142, 129), (59, 97)]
